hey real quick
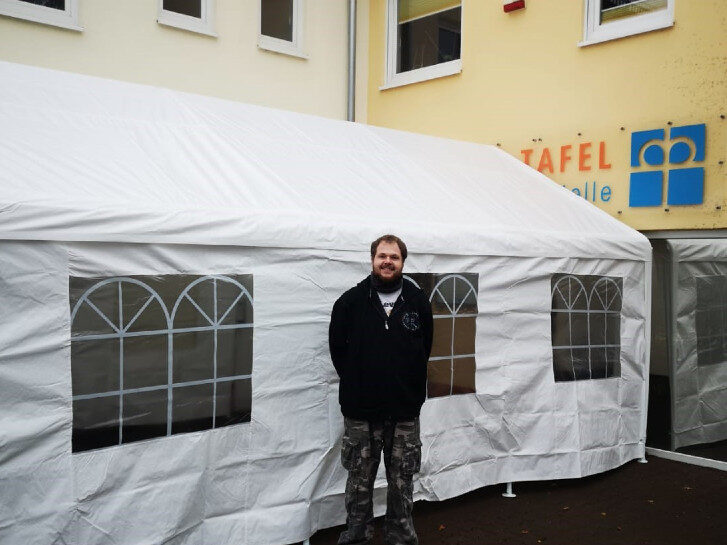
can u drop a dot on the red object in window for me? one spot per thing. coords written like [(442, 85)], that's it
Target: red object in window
[(512, 6)]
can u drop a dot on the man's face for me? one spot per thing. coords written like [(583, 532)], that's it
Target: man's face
[(387, 263)]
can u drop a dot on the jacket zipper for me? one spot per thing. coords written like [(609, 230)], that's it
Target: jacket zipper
[(381, 310)]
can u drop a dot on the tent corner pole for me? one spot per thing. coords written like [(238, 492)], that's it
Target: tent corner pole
[(508, 491), (648, 278)]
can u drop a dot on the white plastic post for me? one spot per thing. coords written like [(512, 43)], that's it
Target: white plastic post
[(648, 277), (508, 492)]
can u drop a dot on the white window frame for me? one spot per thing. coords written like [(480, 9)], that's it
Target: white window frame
[(581, 314), (294, 48), (167, 329), (594, 32), (202, 25), (67, 18), (394, 79)]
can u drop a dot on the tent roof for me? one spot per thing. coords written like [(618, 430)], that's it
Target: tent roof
[(90, 159)]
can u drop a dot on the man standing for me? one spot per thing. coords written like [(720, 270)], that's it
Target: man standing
[(380, 338)]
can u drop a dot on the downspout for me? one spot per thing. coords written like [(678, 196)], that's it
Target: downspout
[(351, 103)]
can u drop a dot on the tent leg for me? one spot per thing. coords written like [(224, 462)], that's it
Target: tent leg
[(508, 492), (643, 460), (306, 542)]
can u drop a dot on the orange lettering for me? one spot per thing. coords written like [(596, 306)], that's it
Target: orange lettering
[(602, 164), (526, 155), (545, 161), (564, 156), (583, 156)]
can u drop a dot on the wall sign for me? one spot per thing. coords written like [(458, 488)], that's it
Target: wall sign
[(586, 156), (661, 166), (685, 184)]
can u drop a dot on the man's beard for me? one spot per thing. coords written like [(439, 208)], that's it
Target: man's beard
[(386, 281)]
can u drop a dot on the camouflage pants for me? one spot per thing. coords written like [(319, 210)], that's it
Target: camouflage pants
[(360, 454)]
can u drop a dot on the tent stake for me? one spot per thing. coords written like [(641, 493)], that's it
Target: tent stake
[(508, 492)]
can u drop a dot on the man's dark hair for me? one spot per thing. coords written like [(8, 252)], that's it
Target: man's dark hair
[(389, 239)]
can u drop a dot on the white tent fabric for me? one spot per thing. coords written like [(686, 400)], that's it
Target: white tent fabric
[(108, 180), (151, 165), (698, 370)]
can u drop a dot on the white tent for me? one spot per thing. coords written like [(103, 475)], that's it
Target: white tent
[(698, 348), (167, 267)]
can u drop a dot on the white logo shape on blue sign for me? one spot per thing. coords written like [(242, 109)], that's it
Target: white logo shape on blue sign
[(685, 185)]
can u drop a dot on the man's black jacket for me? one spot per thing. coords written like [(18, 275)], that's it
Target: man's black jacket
[(381, 360)]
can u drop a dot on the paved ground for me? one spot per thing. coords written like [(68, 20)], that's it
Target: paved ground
[(659, 503)]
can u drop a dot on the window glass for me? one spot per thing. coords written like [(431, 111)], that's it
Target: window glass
[(428, 33), (54, 4), (144, 415), (711, 319), (464, 335), (147, 348), (463, 375), (442, 341), (96, 367), (276, 19), (234, 307), (192, 8), (233, 402), (95, 422), (234, 352), (145, 361), (439, 377), (193, 356), (613, 10), (451, 368), (585, 324), (192, 408)]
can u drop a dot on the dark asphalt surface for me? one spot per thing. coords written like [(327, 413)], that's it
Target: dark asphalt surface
[(660, 503)]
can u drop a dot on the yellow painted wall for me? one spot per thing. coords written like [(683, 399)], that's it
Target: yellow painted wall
[(526, 84), (122, 40)]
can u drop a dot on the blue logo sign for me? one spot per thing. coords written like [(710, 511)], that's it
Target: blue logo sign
[(685, 184)]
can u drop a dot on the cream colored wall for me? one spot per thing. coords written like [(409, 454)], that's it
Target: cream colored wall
[(526, 84), (122, 40)]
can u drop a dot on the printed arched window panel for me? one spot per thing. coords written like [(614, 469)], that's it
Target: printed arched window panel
[(711, 319), (158, 355), (586, 326), (451, 367)]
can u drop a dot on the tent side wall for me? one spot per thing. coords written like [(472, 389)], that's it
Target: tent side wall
[(698, 354), (276, 477)]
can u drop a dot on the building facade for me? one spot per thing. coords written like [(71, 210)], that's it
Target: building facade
[(289, 54), (623, 102), (579, 99)]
